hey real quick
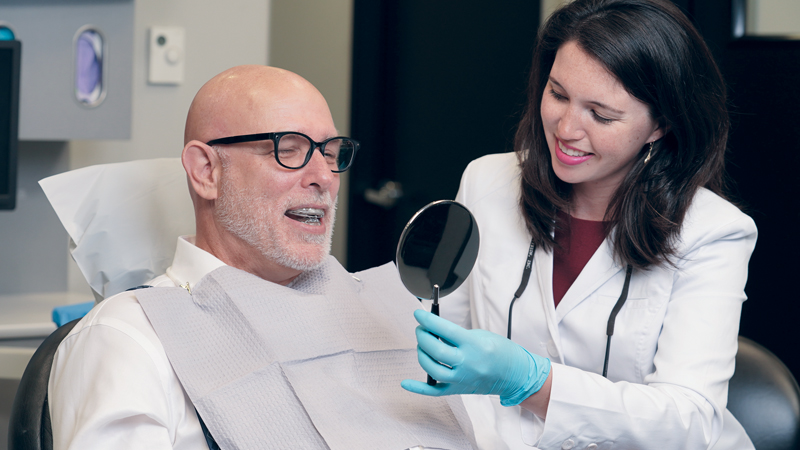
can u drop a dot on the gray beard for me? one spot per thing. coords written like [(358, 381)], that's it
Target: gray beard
[(239, 215)]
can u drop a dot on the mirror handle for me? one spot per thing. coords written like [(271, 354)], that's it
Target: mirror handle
[(434, 310)]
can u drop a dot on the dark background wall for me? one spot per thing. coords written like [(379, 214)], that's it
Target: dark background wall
[(436, 84)]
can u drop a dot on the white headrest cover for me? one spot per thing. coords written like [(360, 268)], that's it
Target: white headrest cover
[(123, 219)]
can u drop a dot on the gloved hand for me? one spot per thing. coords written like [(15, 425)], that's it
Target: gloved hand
[(480, 361)]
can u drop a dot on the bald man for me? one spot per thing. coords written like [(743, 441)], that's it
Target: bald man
[(204, 356)]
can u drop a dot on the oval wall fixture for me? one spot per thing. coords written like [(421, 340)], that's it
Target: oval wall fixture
[(90, 89)]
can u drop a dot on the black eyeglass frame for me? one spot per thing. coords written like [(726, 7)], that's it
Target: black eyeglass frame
[(275, 137)]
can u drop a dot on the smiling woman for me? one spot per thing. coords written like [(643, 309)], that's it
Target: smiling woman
[(594, 128), (610, 218), (636, 65)]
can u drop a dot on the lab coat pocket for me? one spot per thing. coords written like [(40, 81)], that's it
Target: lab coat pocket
[(633, 344)]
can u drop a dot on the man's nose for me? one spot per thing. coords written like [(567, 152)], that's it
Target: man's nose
[(318, 171)]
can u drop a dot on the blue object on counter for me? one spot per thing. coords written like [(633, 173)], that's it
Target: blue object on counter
[(68, 313), (6, 34)]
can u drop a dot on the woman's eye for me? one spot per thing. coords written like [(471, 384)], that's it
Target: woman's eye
[(601, 119), (557, 96)]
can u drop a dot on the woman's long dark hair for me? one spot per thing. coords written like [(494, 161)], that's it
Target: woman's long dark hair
[(660, 59)]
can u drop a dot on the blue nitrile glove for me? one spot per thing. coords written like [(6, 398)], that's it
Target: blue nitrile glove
[(480, 361)]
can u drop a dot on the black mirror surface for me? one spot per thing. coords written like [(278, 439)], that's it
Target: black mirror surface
[(438, 246)]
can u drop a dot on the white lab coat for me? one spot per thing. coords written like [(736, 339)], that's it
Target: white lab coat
[(674, 343)]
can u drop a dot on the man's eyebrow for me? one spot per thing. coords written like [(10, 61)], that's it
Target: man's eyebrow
[(593, 102)]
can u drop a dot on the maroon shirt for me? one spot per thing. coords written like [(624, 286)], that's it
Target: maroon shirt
[(576, 242)]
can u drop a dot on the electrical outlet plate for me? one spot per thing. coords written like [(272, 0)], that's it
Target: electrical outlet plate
[(167, 55)]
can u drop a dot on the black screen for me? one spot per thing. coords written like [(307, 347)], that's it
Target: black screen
[(9, 120)]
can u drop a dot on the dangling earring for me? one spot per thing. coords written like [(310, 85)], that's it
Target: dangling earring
[(649, 153)]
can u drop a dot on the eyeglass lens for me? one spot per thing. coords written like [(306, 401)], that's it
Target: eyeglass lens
[(295, 150)]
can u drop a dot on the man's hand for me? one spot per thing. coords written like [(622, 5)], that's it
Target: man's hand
[(474, 362)]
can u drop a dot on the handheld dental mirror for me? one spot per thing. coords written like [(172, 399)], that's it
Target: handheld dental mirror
[(436, 251)]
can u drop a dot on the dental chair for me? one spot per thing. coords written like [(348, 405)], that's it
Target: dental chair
[(29, 427), (123, 221), (765, 398)]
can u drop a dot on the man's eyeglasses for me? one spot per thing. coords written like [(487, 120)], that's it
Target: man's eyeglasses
[(294, 150)]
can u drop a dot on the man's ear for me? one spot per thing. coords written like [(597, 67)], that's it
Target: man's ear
[(203, 169)]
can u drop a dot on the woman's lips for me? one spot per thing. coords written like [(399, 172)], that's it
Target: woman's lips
[(570, 156)]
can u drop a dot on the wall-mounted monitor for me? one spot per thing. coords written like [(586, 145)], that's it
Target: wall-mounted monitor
[(9, 121)]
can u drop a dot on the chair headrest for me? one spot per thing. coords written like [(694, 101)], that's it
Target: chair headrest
[(123, 219)]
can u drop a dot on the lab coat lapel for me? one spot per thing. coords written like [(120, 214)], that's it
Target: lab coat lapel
[(544, 276), (600, 268)]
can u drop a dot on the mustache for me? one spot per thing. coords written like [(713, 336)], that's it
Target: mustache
[(319, 199)]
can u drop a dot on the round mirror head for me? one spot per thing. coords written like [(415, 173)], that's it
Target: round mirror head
[(439, 246)]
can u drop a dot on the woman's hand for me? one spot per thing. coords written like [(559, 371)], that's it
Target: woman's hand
[(474, 362)]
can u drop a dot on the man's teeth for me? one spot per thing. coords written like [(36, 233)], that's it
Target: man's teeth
[(306, 215), (570, 151)]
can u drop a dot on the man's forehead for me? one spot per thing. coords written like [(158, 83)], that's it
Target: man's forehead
[(258, 99), (271, 113)]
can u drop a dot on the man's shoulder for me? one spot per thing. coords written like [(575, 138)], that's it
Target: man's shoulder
[(115, 340), (111, 379), (123, 306), (120, 314)]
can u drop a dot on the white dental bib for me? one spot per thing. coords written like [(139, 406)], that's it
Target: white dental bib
[(313, 366)]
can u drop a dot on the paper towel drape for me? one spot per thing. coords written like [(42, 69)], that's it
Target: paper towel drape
[(315, 365)]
